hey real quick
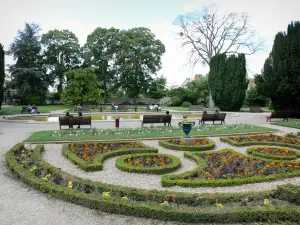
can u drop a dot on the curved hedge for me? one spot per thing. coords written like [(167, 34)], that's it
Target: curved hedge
[(97, 162), (252, 152), (211, 144), (122, 165), (179, 179), (147, 203)]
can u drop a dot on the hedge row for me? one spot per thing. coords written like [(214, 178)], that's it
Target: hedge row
[(274, 157), (149, 209), (98, 160), (292, 135), (239, 144), (122, 165), (211, 144), (180, 179)]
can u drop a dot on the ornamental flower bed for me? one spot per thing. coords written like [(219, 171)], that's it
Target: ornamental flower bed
[(197, 144), (148, 163), (274, 153)]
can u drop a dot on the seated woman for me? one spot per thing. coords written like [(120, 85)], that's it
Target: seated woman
[(78, 107), (34, 109)]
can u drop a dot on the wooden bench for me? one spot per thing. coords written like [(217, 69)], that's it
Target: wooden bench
[(255, 109), (213, 117), (196, 108), (78, 120), (165, 119), (279, 115), (83, 108)]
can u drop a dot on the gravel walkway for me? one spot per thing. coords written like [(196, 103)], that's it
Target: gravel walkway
[(110, 174)]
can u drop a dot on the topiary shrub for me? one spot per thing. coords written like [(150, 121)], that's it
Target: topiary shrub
[(186, 104)]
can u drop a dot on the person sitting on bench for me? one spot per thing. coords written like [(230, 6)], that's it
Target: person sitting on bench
[(68, 115), (79, 114)]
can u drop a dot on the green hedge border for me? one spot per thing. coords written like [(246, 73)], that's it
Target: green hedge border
[(211, 144), (122, 165), (97, 165), (241, 144), (172, 180), (252, 152), (155, 210)]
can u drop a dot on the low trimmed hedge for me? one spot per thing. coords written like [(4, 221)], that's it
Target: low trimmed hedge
[(122, 165), (179, 179), (240, 144), (211, 144), (97, 162), (153, 209), (254, 153), (292, 135)]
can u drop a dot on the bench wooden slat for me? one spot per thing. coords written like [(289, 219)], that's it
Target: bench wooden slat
[(166, 119), (78, 120), (213, 117)]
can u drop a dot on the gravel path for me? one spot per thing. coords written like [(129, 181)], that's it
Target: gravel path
[(110, 174)]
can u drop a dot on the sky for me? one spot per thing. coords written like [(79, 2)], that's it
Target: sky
[(268, 17)]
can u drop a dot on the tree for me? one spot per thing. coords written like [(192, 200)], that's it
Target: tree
[(198, 90), (61, 53), (157, 88), (100, 52), (280, 78), (82, 87), (2, 74), (138, 60), (28, 77), (209, 33), (253, 98), (165, 101), (228, 81)]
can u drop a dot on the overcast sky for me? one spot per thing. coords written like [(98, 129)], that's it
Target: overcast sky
[(83, 16)]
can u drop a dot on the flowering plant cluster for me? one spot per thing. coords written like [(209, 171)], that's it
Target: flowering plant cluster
[(265, 138), (89, 151), (198, 142), (274, 151), (187, 121), (149, 161)]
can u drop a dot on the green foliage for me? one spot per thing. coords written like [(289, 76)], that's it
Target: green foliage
[(157, 88), (2, 73), (28, 76), (227, 81), (186, 104), (165, 101), (198, 91), (53, 96), (82, 87), (211, 144), (61, 53), (176, 100), (280, 78), (253, 98)]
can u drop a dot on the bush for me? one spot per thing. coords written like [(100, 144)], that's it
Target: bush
[(211, 144), (253, 98), (165, 101), (176, 100), (186, 104)]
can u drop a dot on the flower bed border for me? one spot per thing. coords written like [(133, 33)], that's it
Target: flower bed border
[(248, 143), (97, 165), (252, 152), (157, 211), (175, 164), (172, 180), (211, 144)]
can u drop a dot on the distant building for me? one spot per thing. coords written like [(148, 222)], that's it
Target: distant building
[(251, 83), (196, 77)]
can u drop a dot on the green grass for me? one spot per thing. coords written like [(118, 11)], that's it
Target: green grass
[(47, 135), (9, 110), (291, 123), (36, 118)]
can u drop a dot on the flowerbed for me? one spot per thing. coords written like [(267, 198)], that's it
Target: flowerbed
[(266, 139), (148, 163), (272, 206), (228, 167), (273, 153), (200, 144), (90, 156), (294, 135)]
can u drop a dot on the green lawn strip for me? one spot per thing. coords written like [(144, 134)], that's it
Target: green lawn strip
[(122, 165), (156, 210), (47, 135), (291, 123), (42, 109), (97, 162), (178, 179), (36, 118), (211, 144), (273, 157)]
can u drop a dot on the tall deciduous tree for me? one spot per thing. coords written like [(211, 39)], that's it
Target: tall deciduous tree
[(280, 78), (61, 53), (198, 90), (28, 77), (228, 81), (2, 73), (82, 87), (138, 60), (100, 52), (157, 88)]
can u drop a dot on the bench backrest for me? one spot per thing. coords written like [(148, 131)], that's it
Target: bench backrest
[(165, 118), (151, 118), (215, 116), (280, 114), (220, 116), (196, 107), (66, 120)]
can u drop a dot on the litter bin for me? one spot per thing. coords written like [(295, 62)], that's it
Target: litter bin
[(100, 108), (117, 122)]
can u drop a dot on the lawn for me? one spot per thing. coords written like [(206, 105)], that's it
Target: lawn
[(9, 110), (131, 133), (291, 123)]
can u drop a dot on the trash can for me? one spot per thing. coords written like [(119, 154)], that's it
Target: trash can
[(117, 122), (100, 108)]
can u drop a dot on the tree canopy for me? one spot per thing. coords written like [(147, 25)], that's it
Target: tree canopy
[(280, 78), (157, 88), (2, 73)]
